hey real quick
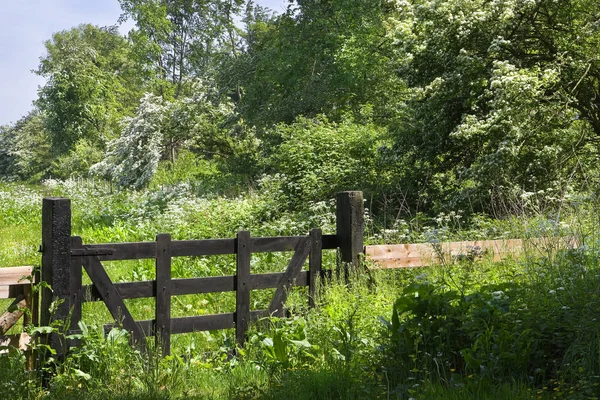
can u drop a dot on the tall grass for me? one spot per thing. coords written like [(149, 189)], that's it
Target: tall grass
[(519, 329)]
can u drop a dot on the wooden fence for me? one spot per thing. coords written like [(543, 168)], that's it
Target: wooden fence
[(424, 254), (17, 283), (64, 257)]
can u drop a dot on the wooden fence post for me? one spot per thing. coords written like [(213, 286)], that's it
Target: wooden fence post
[(163, 293), (315, 262), (350, 226), (242, 286), (56, 264), (75, 286)]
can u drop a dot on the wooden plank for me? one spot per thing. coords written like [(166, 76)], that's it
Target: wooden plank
[(12, 315), (212, 284), (124, 251), (127, 290), (272, 280), (425, 254), (163, 293), (330, 242), (207, 247), (401, 255), (185, 286), (242, 286), (182, 286), (315, 261), (91, 252), (15, 275), (211, 322), (295, 266), (75, 284), (13, 280), (111, 297), (275, 244), (203, 323)]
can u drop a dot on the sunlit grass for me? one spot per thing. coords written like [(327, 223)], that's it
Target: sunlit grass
[(344, 348)]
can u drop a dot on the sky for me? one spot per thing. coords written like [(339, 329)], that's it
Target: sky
[(24, 27)]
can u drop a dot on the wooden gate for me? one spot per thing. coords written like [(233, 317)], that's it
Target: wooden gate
[(64, 257), (90, 257)]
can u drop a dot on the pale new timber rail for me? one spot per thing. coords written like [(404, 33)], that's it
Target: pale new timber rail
[(17, 283), (425, 254)]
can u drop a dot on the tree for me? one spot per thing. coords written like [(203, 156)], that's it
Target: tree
[(197, 123), (132, 159), (504, 96), (25, 148), (319, 58), (159, 128), (91, 83), (317, 158), (181, 39)]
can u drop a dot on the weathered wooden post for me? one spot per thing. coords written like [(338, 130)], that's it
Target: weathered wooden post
[(56, 264), (315, 263), (350, 225), (163, 293), (242, 286)]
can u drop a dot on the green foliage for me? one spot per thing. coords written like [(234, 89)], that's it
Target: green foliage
[(133, 158), (317, 58), (502, 325), (464, 330), (285, 344), (187, 168), (180, 40), (494, 108), (25, 150), (315, 158), (90, 85), (201, 126), (78, 162)]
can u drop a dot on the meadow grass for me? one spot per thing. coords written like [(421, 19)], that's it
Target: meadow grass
[(518, 329)]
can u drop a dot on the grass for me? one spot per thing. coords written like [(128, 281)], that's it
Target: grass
[(519, 329)]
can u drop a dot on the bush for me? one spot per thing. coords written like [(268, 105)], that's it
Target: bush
[(77, 163), (317, 158)]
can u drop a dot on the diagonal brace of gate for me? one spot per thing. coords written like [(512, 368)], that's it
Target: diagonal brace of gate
[(301, 251), (111, 297)]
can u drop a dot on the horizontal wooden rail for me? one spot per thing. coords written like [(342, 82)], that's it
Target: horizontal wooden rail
[(197, 248), (13, 281), (425, 254), (206, 247), (210, 322), (211, 284)]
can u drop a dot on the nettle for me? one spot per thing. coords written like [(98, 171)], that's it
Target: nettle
[(437, 332)]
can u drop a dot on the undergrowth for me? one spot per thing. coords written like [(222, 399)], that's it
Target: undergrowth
[(467, 329)]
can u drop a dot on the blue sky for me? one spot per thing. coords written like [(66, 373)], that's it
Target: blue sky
[(26, 24)]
